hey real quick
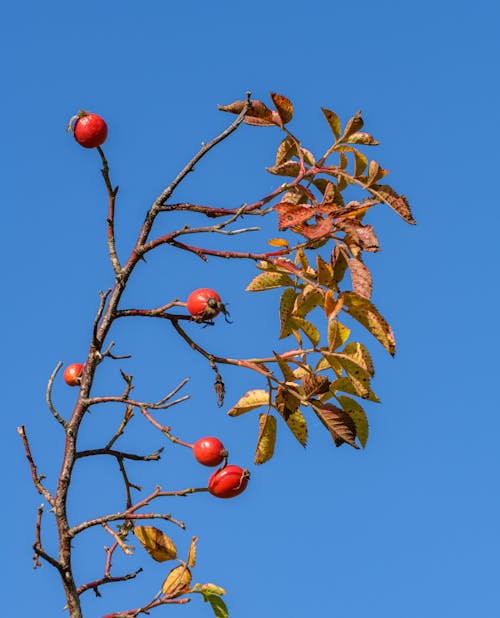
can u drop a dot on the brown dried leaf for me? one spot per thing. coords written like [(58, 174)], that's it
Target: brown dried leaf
[(158, 545), (287, 400), (266, 440), (288, 168), (177, 581), (338, 422), (398, 203), (283, 106), (361, 278), (315, 385), (191, 561), (346, 385), (354, 124), (258, 114), (363, 235), (362, 138), (358, 415), (286, 150)]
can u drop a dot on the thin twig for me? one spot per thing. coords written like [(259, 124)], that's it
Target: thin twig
[(37, 480), (119, 454), (37, 545), (106, 580), (126, 418), (112, 192), (165, 430), (48, 396)]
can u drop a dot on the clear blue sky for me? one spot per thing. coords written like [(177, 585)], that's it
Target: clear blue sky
[(408, 527)]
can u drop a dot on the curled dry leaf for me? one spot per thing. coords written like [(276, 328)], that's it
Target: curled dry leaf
[(266, 440), (158, 545), (177, 581)]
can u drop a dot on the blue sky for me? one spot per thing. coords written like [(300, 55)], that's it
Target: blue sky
[(408, 527)]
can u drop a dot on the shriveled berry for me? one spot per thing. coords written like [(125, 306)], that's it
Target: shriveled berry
[(209, 451), (228, 482), (72, 374)]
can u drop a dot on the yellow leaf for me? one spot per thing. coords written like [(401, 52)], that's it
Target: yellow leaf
[(266, 440), (250, 400), (177, 582), (192, 552), (278, 242), (337, 334), (158, 545), (267, 281), (297, 424)]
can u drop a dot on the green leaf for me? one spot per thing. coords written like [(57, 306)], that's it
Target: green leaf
[(333, 121), (365, 312), (362, 138), (354, 409), (287, 302), (250, 400), (218, 606), (337, 334), (307, 328), (266, 440), (268, 281)]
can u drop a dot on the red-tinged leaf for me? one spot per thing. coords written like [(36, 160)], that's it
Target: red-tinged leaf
[(338, 334), (355, 124), (346, 385), (362, 138), (361, 355), (250, 401), (338, 422), (361, 278), (365, 312), (307, 328), (283, 106), (291, 215), (333, 121), (329, 303), (398, 203), (358, 415), (266, 440), (286, 150), (363, 235), (268, 281), (298, 426), (287, 302), (278, 242), (288, 168), (321, 228)]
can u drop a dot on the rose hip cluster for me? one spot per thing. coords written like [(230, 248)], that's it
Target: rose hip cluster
[(226, 482)]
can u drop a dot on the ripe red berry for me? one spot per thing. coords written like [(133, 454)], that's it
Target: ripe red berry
[(205, 304), (72, 374), (89, 129), (209, 451), (228, 482)]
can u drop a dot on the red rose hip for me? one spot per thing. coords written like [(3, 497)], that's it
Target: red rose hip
[(72, 374), (205, 304), (89, 129), (228, 482), (209, 451)]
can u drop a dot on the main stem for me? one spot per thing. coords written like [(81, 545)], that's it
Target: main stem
[(93, 359)]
